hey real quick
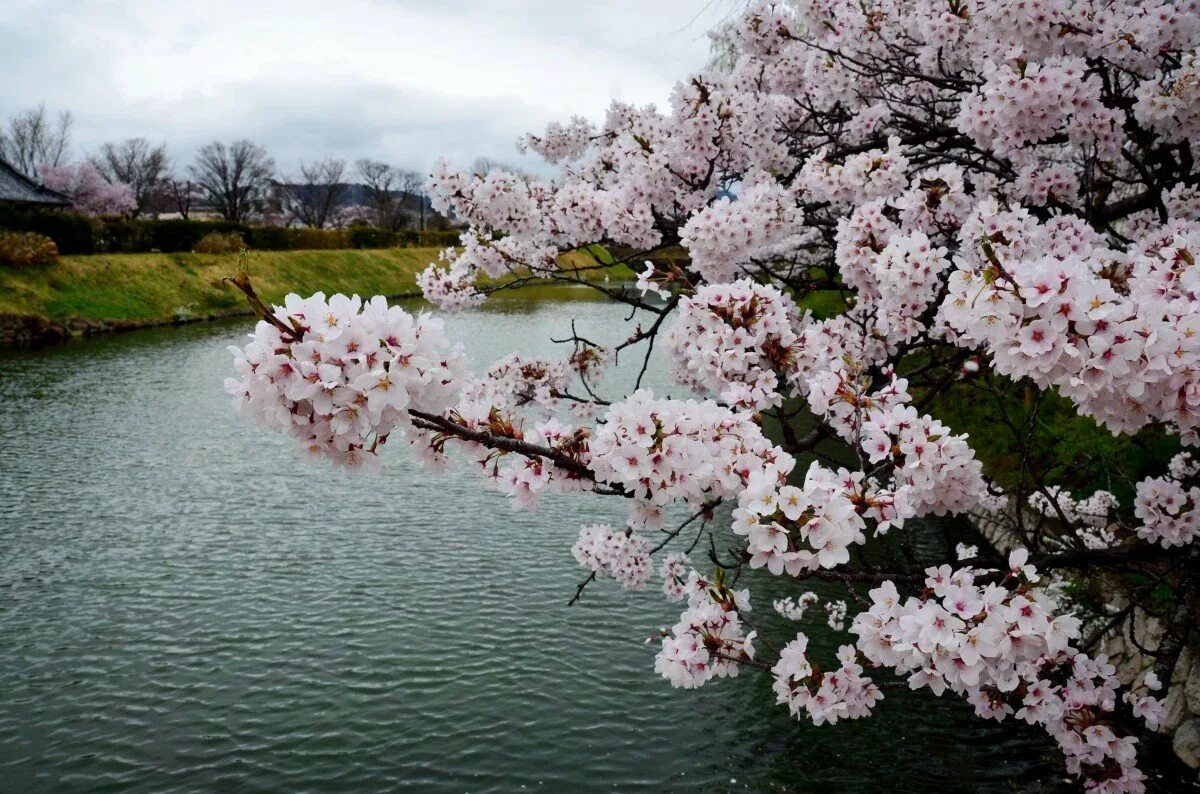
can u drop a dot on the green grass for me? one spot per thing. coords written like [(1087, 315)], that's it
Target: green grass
[(824, 304), (1072, 450), (151, 287), (158, 287)]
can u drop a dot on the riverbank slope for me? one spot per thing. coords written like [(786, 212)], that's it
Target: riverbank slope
[(83, 295), (163, 287)]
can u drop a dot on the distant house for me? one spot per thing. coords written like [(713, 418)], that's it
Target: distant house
[(16, 188)]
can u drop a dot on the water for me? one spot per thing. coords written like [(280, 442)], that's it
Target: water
[(186, 606)]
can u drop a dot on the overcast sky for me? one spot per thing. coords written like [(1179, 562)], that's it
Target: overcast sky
[(399, 80)]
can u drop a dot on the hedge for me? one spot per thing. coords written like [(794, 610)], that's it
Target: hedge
[(71, 232), (74, 233)]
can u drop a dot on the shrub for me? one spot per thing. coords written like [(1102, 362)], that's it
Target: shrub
[(72, 232), (175, 235), (26, 249), (220, 243), (123, 235), (370, 237), (439, 238), (267, 238)]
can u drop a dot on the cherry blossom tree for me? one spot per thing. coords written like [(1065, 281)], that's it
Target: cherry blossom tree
[(1002, 198), (135, 162), (88, 190)]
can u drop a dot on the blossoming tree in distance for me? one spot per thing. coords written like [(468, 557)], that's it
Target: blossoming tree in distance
[(88, 191), (884, 236)]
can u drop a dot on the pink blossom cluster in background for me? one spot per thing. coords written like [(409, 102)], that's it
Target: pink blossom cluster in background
[(87, 189)]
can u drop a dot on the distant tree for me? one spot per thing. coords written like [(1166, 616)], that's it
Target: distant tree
[(313, 199), (412, 193), (384, 184), (88, 190), (178, 195), (411, 183), (137, 163), (33, 140), (233, 179)]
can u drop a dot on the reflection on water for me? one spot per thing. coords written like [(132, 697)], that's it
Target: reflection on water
[(185, 605)]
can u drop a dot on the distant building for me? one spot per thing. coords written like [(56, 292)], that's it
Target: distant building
[(16, 188)]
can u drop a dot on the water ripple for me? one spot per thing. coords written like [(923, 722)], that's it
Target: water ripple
[(185, 606)]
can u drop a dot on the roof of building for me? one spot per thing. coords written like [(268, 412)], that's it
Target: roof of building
[(16, 187)]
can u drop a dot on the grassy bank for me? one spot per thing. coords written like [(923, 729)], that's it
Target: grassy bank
[(147, 288)]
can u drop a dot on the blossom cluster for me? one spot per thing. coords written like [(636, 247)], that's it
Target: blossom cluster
[(1092, 511), (709, 640), (734, 340), (861, 178), (936, 200), (1001, 646), (1169, 506), (796, 529), (794, 608), (963, 551), (763, 222), (619, 554), (826, 345), (1028, 102), (664, 451), (523, 478), (451, 288), (516, 381), (344, 374), (802, 528), (1170, 104), (907, 275), (1125, 351), (675, 571), (843, 693), (837, 615), (933, 469), (1088, 519)]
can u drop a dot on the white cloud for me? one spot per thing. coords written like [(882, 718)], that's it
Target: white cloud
[(396, 79)]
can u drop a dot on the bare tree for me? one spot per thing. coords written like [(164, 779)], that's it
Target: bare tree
[(233, 179), (33, 140), (134, 162), (179, 195), (384, 185), (412, 189), (313, 199)]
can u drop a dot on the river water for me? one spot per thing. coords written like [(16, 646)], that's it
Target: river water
[(185, 605)]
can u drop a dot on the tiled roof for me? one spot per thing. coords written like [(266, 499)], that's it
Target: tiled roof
[(15, 186)]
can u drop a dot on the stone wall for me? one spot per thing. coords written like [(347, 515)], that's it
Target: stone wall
[(21, 330)]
